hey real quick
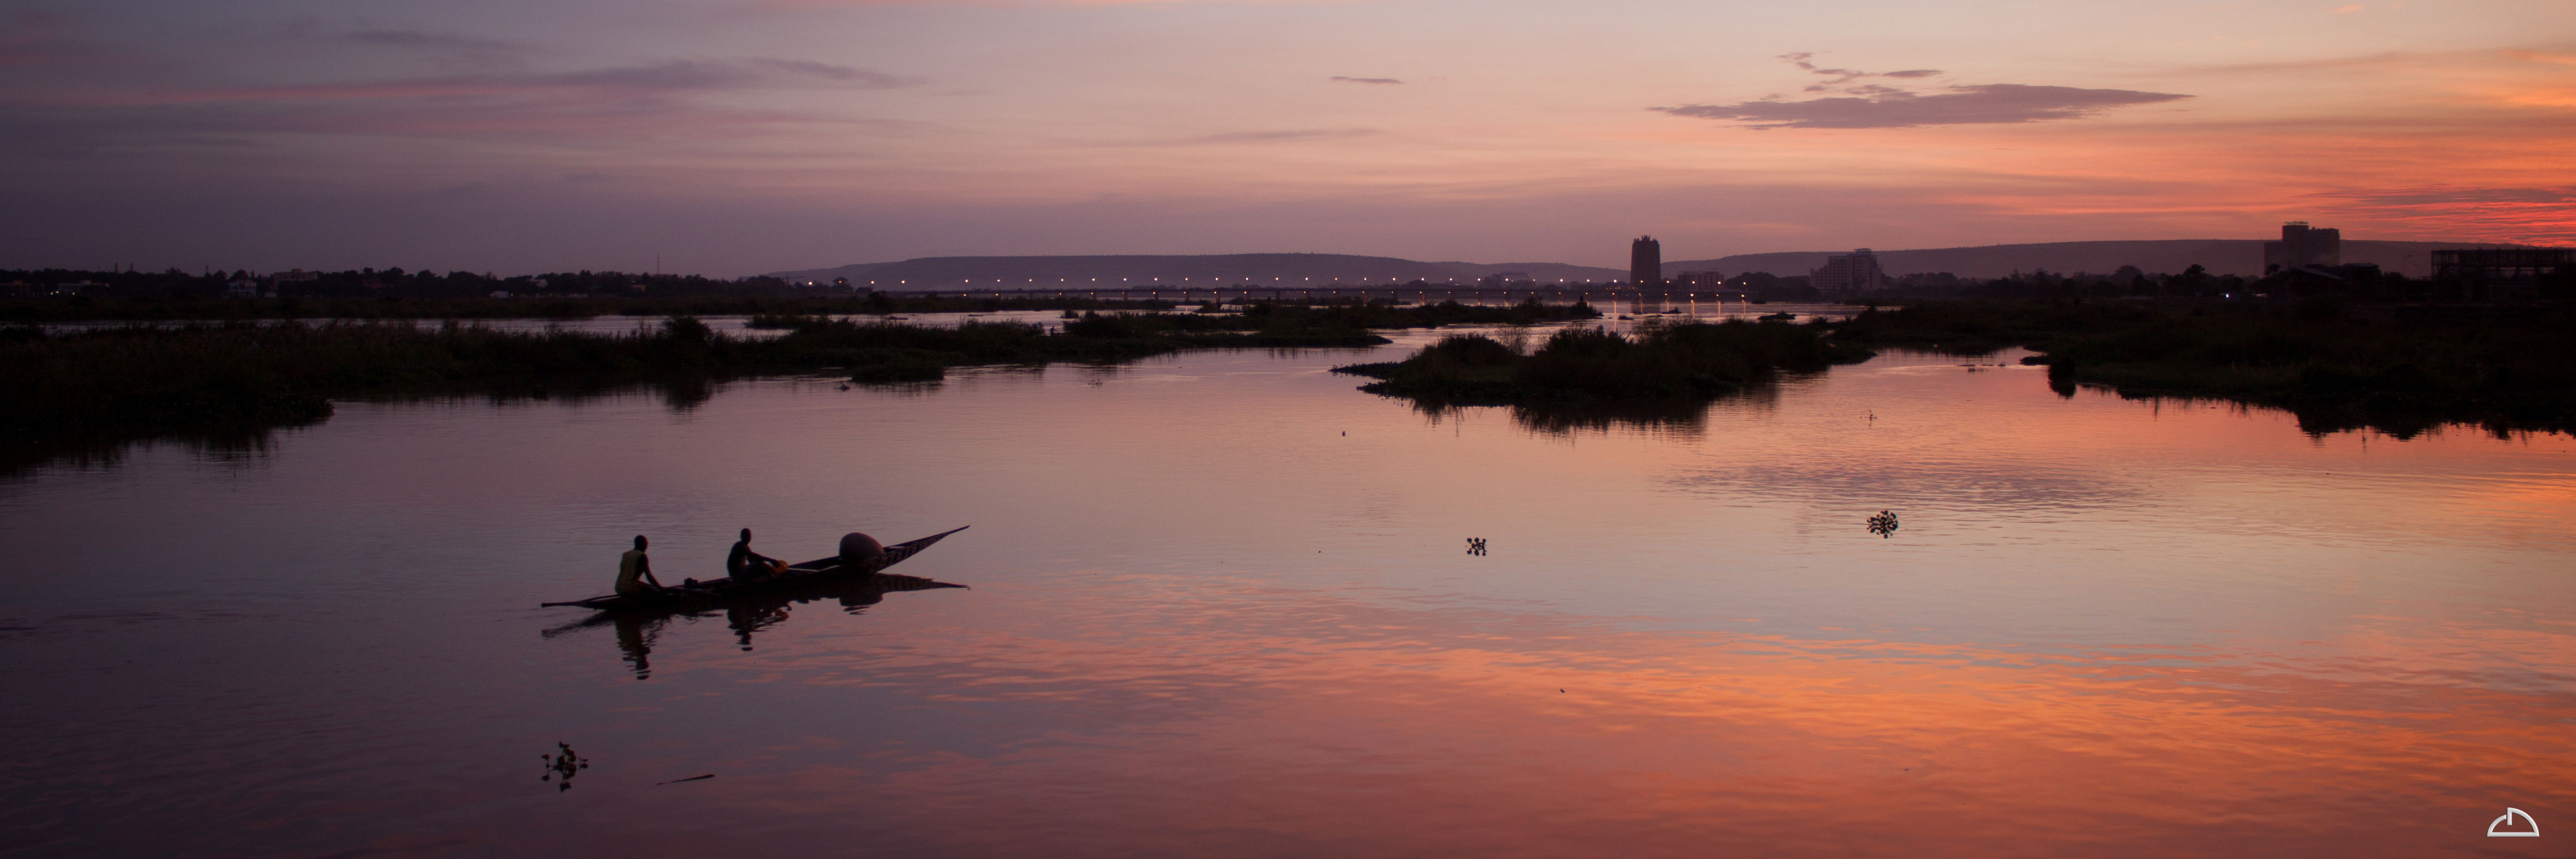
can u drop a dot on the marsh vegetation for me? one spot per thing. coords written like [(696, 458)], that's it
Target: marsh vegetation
[(1663, 370), (2401, 374)]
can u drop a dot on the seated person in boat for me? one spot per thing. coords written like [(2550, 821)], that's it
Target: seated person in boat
[(635, 572), (745, 565)]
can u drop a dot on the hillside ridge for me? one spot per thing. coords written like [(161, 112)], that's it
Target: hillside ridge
[(2219, 256)]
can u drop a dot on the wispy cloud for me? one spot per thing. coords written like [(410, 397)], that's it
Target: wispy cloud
[(673, 97), (664, 78), (679, 75), (445, 50), (1292, 135), (2544, 215), (2543, 57), (1860, 102), (1869, 105), (1348, 80), (43, 38), (1802, 60), (428, 41)]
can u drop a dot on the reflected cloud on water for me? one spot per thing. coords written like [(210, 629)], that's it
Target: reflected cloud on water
[(1963, 484), (1248, 713)]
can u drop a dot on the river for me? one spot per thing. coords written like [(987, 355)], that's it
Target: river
[(1222, 604)]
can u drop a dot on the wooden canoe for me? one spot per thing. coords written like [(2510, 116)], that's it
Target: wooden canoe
[(707, 593)]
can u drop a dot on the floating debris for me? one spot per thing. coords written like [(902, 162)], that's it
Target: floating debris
[(560, 768), (1883, 524)]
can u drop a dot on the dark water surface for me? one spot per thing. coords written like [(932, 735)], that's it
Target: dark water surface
[(1220, 604)]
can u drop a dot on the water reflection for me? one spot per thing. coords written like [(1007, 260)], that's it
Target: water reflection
[(1228, 615), (222, 444), (1678, 417), (639, 630), (85, 449)]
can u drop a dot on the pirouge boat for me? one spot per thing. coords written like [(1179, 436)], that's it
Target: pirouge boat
[(694, 593)]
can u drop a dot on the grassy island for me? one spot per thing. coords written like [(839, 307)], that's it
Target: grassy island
[(91, 391), (1660, 369), (2397, 369)]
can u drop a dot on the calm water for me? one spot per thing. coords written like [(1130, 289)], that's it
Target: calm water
[(1220, 605)]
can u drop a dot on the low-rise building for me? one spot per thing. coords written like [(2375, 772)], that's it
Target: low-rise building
[(2490, 274)]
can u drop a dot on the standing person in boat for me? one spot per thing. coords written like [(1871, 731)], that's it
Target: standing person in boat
[(635, 572), (745, 565)]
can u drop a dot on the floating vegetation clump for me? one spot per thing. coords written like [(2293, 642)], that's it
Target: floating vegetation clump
[(561, 767), (1884, 524)]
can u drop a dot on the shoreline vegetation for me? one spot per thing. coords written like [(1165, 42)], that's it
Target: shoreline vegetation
[(88, 393), (225, 384), (199, 309), (1590, 376), (2332, 368)]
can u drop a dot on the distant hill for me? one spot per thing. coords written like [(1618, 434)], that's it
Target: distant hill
[(2220, 256), (1039, 272)]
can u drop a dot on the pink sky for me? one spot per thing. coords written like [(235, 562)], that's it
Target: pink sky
[(737, 137)]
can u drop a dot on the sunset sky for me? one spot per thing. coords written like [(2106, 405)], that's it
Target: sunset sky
[(737, 136)]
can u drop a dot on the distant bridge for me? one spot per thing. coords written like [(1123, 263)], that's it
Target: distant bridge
[(1429, 294)]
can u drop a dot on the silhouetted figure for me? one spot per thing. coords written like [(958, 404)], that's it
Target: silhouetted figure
[(745, 565), (635, 572), (859, 550)]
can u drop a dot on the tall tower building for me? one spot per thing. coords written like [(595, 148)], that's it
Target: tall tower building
[(1646, 261), (1847, 275)]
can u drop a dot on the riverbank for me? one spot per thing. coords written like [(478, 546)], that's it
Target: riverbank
[(31, 311), (2334, 370), (86, 309), (91, 391)]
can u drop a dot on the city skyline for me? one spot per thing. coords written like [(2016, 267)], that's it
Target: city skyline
[(734, 138)]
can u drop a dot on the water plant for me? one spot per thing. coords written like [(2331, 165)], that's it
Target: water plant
[(561, 767), (1884, 524)]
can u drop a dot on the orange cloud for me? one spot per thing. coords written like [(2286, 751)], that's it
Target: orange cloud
[(2542, 57)]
